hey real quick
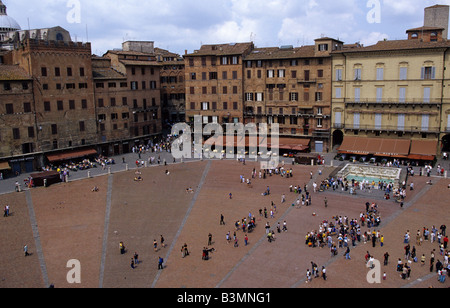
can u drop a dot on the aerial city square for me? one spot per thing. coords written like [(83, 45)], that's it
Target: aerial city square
[(244, 163)]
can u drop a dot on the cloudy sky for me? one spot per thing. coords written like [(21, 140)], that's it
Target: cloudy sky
[(179, 25)]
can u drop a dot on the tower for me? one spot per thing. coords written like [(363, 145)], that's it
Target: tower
[(437, 16)]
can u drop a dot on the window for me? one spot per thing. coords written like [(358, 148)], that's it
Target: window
[(192, 105), (224, 76), (379, 95), (57, 72), (357, 94), (81, 71), (319, 96), (356, 118), (320, 73), (26, 107), (403, 73), (71, 104), (339, 74), (259, 96), (84, 104), (357, 74), (425, 122), (235, 60), (213, 76), (47, 106), (235, 105), (60, 105), (134, 85), (224, 60), (401, 121), (69, 71), (402, 95), (249, 97), (9, 108), (16, 133), (30, 132), (281, 73), (293, 74), (82, 127), (235, 75), (270, 73), (293, 97), (323, 47), (319, 110), (338, 92), (378, 120), (43, 71), (319, 123), (380, 72), (54, 129), (225, 105), (428, 72), (426, 94), (205, 106), (337, 119)]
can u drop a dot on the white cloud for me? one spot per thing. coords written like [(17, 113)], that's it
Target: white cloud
[(183, 24)]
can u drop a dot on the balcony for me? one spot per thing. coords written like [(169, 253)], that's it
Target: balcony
[(393, 102), (386, 128), (306, 81)]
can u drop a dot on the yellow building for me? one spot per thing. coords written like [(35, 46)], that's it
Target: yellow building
[(393, 91)]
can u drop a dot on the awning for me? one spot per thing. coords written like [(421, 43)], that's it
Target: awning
[(293, 144), (375, 146), (71, 155), (423, 149), (4, 166)]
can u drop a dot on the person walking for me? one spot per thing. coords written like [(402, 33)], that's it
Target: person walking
[(324, 273), (25, 250), (160, 263), (347, 253), (209, 239)]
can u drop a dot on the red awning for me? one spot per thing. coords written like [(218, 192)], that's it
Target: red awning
[(71, 155)]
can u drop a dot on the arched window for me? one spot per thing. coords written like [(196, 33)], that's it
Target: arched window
[(59, 37)]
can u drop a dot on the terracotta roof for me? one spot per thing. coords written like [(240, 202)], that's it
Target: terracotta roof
[(13, 72), (140, 62), (424, 28), (397, 45), (281, 53), (106, 73), (222, 49)]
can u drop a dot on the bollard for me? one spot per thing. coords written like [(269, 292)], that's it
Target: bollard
[(445, 173), (89, 174), (126, 167), (45, 182), (109, 170)]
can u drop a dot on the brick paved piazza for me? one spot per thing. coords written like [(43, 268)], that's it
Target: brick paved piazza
[(69, 221)]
